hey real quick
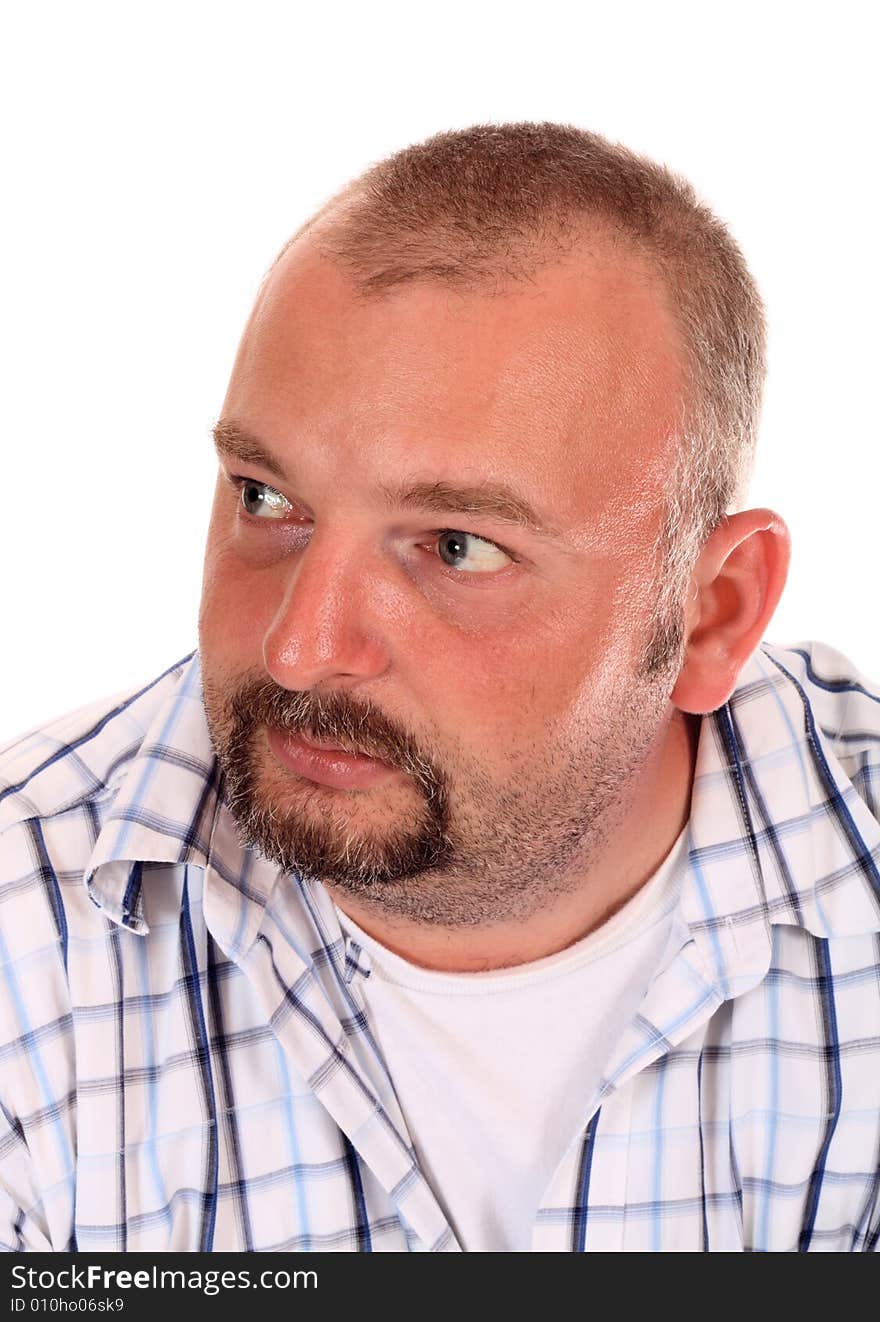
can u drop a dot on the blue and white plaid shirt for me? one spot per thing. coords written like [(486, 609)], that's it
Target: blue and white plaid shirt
[(186, 1063)]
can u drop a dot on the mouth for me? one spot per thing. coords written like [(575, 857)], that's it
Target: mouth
[(330, 746), (325, 762)]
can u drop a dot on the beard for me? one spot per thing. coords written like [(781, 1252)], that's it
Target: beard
[(449, 844)]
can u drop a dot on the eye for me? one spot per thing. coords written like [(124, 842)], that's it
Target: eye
[(472, 554), (262, 501)]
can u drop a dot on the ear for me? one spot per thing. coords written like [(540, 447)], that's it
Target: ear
[(735, 587)]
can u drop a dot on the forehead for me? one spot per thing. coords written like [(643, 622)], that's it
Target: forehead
[(569, 382)]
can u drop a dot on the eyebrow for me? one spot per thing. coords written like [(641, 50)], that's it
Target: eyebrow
[(495, 501)]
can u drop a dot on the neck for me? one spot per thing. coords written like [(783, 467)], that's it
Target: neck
[(648, 821)]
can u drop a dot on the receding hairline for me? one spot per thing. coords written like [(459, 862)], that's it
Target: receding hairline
[(577, 241), (519, 260), (480, 205), (592, 247)]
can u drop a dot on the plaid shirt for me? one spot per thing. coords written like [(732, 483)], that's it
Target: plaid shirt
[(186, 1064)]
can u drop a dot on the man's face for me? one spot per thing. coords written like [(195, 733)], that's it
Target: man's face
[(443, 563)]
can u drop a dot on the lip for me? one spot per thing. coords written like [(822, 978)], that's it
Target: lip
[(326, 765)]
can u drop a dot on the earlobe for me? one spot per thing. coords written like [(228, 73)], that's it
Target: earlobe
[(739, 579)]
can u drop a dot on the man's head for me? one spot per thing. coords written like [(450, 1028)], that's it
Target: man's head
[(489, 411)]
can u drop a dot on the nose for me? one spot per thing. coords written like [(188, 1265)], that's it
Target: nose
[(323, 633)]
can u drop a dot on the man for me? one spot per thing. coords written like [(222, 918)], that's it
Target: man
[(484, 881)]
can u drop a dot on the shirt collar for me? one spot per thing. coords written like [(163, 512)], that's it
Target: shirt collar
[(169, 809), (778, 833), (164, 809)]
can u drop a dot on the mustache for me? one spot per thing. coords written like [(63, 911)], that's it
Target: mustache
[(357, 727)]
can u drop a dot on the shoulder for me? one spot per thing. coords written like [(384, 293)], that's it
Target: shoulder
[(57, 785), (841, 706), (78, 756)]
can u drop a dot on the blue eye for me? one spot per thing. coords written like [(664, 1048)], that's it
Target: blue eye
[(472, 554), (262, 501)]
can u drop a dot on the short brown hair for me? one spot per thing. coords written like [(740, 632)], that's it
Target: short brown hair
[(483, 204)]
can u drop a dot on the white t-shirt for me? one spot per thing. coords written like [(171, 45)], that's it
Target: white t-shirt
[(493, 1071)]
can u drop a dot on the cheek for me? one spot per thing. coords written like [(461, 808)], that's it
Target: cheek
[(236, 606), (542, 681), (506, 692)]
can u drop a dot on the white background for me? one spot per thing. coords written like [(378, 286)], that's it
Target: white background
[(157, 155)]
